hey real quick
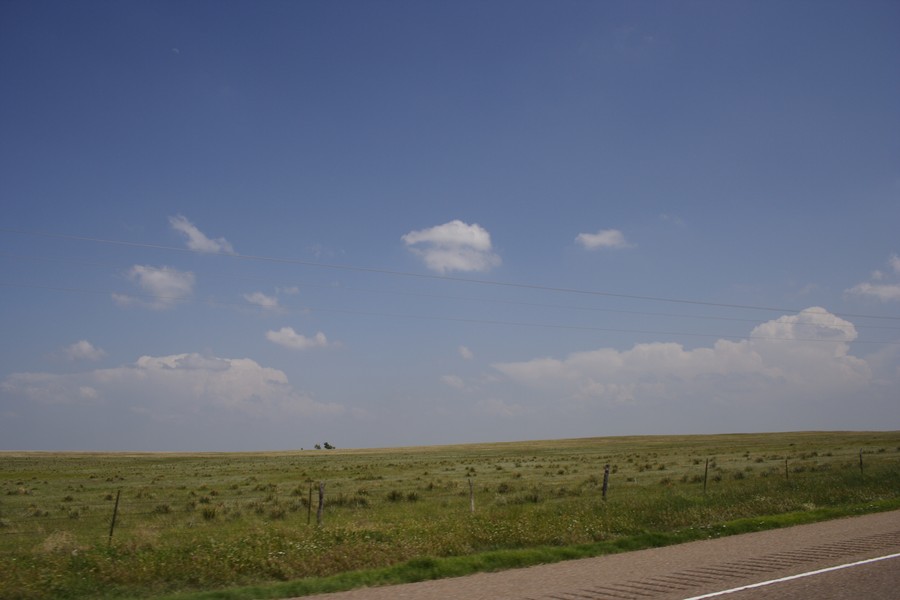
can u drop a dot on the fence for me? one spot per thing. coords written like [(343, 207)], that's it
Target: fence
[(103, 510)]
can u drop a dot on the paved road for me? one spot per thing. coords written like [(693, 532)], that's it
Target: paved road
[(695, 569), (878, 580)]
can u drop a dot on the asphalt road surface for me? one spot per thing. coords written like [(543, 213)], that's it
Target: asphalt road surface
[(878, 579), (772, 561)]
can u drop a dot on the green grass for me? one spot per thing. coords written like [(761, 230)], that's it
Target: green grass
[(235, 525)]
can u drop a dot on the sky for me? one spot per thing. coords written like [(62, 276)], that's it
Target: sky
[(233, 225)]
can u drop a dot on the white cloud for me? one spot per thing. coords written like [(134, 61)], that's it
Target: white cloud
[(287, 337), (814, 323), (674, 219), (196, 239), (168, 386), (83, 350), (453, 246), (262, 301), (885, 292), (605, 238), (164, 286), (454, 381), (466, 353), (88, 392), (807, 353)]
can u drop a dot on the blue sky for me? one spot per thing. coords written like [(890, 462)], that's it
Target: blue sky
[(265, 225)]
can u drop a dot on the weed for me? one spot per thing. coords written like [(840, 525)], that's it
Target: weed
[(60, 542)]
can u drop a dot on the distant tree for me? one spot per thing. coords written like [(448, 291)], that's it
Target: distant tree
[(328, 446), (318, 446)]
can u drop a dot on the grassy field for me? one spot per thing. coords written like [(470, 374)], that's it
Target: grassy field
[(242, 523)]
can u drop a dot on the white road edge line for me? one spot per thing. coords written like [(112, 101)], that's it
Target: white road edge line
[(798, 576)]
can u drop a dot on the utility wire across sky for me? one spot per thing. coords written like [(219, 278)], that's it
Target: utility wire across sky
[(345, 288), (313, 309), (397, 273)]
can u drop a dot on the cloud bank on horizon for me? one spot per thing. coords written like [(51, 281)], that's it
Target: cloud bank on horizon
[(781, 358), (802, 360)]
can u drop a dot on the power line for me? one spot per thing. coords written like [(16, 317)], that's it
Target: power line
[(409, 274), (230, 277), (586, 328)]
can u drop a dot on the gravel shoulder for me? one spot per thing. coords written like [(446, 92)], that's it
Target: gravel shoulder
[(667, 573)]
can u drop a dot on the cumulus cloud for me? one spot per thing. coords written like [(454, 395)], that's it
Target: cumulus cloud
[(162, 287), (263, 301), (885, 292), (453, 246), (605, 238), (466, 353), (287, 337), (166, 386), (804, 353), (196, 239), (883, 286), (83, 350)]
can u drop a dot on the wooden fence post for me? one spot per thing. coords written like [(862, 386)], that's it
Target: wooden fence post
[(112, 525), (605, 480), (785, 469), (309, 504), (320, 512), (471, 496), (705, 474), (860, 461)]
